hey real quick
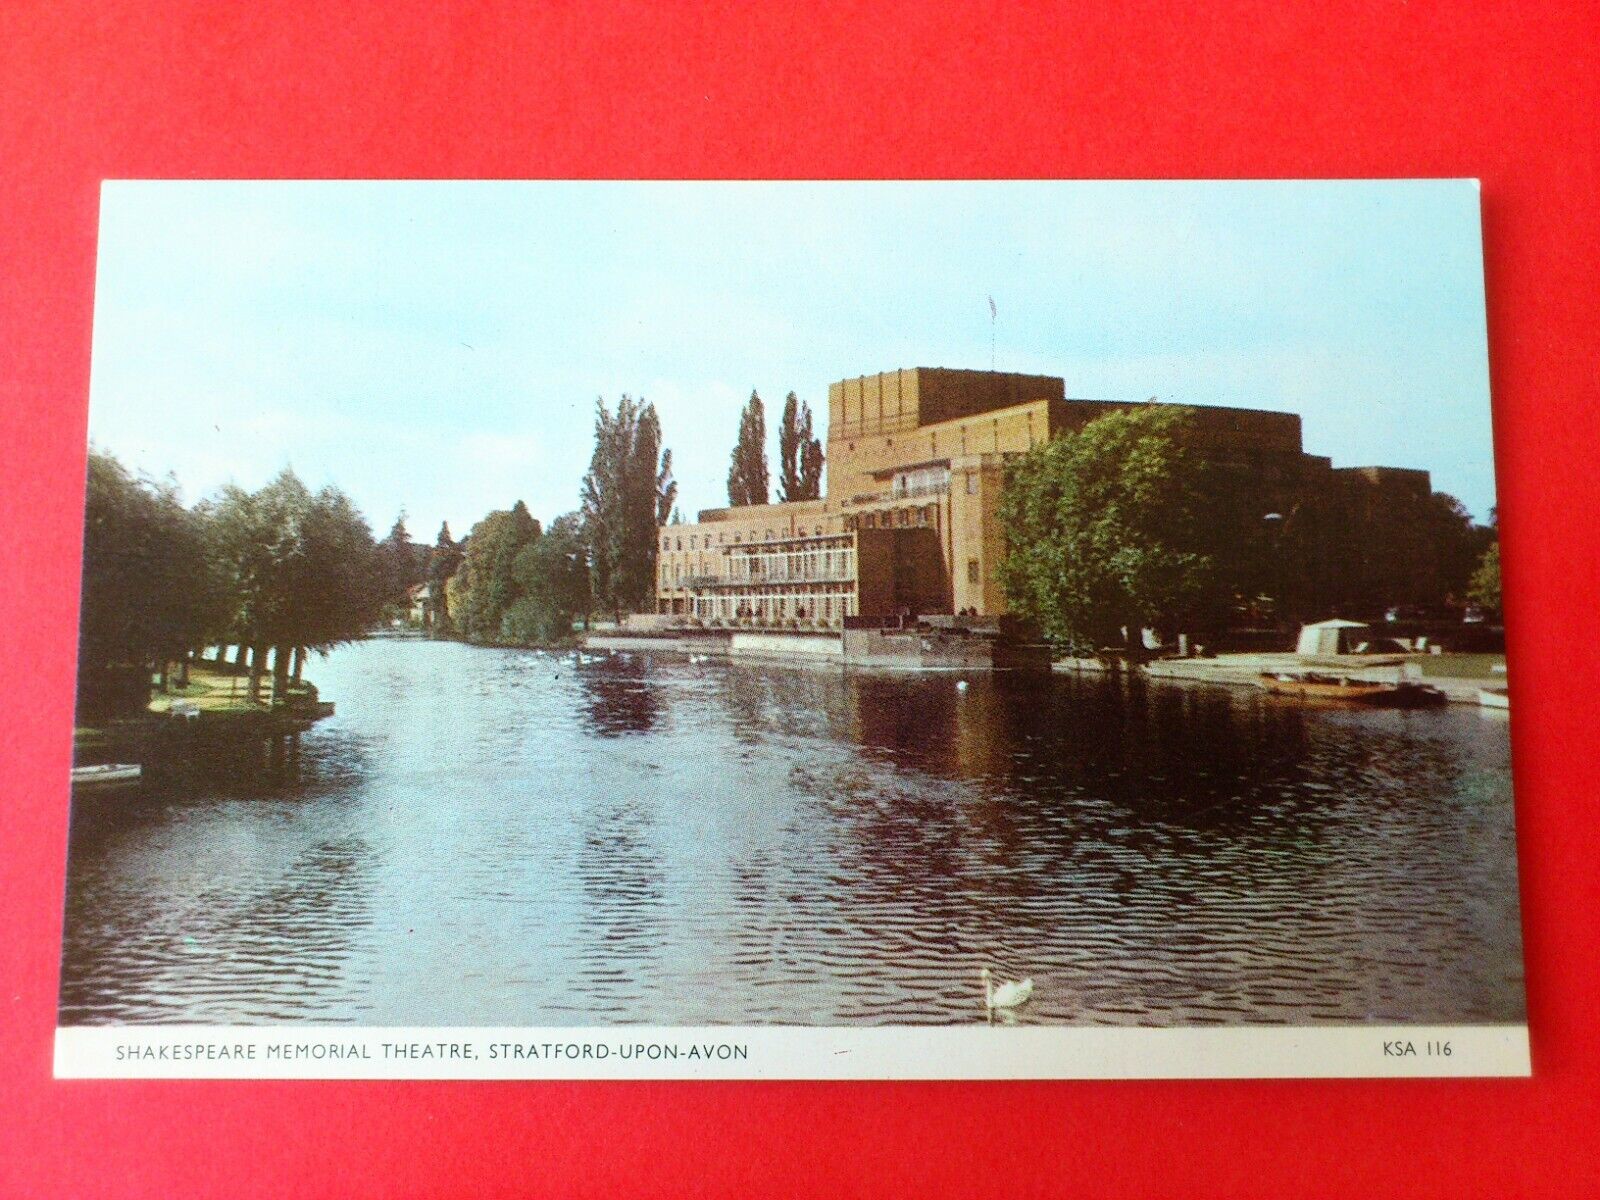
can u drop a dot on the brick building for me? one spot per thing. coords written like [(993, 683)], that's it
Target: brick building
[(910, 516)]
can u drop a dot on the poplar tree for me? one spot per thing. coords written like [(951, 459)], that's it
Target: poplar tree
[(626, 497), (799, 453), (747, 473)]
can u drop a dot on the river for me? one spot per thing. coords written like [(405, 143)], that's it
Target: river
[(504, 837)]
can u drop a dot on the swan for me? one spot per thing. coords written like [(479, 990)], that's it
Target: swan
[(1007, 994)]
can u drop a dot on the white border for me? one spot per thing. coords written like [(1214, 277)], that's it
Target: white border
[(764, 1052)]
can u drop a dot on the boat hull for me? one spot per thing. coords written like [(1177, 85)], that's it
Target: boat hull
[(106, 778), (1363, 692)]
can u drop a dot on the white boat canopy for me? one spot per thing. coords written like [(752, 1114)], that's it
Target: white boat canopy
[(1335, 636)]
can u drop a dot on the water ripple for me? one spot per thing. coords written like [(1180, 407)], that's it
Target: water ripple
[(518, 838)]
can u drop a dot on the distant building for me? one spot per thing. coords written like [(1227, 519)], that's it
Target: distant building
[(420, 597), (915, 462)]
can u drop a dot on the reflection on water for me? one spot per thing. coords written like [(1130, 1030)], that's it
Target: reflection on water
[(518, 838)]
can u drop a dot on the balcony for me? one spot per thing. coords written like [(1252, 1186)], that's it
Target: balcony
[(896, 495)]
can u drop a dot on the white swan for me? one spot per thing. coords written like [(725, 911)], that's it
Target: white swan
[(1007, 994)]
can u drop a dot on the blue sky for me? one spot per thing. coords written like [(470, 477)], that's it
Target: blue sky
[(439, 347)]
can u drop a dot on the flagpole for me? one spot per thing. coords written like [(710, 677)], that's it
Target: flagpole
[(993, 313)]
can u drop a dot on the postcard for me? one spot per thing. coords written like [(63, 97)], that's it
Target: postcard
[(791, 630)]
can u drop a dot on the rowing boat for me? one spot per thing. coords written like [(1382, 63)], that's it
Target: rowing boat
[(106, 776), (1341, 689)]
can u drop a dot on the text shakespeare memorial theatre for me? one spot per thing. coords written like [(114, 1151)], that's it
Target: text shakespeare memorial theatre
[(910, 520)]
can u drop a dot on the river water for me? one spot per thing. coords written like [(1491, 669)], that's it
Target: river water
[(504, 837)]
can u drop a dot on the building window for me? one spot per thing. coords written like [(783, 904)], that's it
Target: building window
[(691, 541), (972, 570), (972, 483)]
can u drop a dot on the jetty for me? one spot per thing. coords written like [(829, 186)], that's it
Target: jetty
[(929, 643)]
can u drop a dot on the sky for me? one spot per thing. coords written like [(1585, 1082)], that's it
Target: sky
[(438, 348)]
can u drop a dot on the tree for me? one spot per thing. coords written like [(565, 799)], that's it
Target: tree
[(627, 495), (151, 592), (1484, 589), (811, 459), (302, 572), (443, 563), (1108, 531), (485, 582), (553, 579), (1380, 545), (747, 473), (336, 597), (399, 567), (799, 453)]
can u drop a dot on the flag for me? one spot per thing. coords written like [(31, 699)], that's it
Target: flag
[(993, 313)]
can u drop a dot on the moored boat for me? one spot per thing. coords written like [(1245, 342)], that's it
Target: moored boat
[(1341, 689), (106, 777)]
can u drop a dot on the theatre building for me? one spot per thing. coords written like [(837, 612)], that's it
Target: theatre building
[(910, 518)]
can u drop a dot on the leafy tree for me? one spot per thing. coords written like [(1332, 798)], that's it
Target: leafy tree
[(150, 590), (336, 598), (1108, 531), (553, 579), (747, 473), (302, 571), (443, 563), (1484, 589), (1380, 546), (486, 584), (799, 453), (627, 495), (454, 598)]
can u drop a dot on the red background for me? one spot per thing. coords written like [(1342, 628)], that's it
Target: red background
[(111, 89)]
